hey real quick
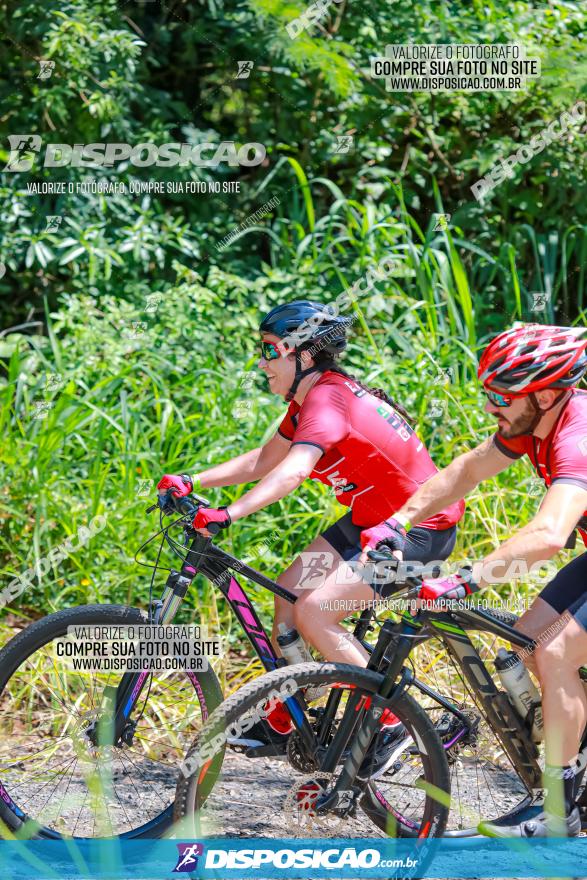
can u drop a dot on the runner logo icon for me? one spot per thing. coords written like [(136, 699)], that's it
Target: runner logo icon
[(187, 859)]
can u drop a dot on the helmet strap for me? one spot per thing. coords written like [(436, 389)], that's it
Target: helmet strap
[(541, 412), (298, 376)]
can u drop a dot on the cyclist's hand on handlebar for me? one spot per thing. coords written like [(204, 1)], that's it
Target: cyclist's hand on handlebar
[(179, 485), (208, 520), (457, 586), (390, 534)]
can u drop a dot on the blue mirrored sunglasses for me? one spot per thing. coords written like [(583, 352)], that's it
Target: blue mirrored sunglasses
[(499, 399), (269, 350)]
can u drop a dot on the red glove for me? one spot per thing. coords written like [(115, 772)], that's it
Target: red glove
[(212, 515), (457, 586), (389, 533), (181, 485)]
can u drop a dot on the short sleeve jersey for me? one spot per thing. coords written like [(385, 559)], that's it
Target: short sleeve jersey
[(370, 455), (561, 457)]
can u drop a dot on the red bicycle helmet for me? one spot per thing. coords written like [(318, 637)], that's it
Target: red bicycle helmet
[(531, 357)]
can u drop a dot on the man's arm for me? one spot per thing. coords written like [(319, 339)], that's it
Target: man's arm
[(541, 538), (454, 482), (283, 479), (245, 468)]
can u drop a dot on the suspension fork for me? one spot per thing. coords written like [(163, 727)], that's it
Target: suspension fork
[(394, 644), (361, 629), (118, 702)]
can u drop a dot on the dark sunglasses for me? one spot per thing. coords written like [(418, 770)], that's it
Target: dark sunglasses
[(269, 350)]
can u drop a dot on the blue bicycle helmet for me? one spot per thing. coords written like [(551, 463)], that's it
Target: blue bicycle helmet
[(303, 323)]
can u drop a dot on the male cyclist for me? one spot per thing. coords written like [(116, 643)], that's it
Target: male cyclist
[(529, 374), (353, 438)]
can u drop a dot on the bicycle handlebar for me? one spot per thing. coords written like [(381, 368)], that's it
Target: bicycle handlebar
[(385, 555), (184, 505)]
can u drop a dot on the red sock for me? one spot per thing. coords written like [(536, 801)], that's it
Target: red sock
[(278, 718), (388, 719)]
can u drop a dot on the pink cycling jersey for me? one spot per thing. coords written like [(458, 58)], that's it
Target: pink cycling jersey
[(561, 457), (371, 456)]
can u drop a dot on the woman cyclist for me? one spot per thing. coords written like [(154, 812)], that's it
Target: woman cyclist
[(353, 438)]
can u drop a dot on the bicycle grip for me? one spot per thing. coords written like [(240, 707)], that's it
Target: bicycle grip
[(186, 506), (383, 555), (213, 528)]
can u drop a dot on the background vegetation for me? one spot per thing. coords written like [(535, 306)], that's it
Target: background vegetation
[(134, 387)]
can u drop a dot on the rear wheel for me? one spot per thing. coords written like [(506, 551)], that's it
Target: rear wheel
[(484, 782), (53, 780)]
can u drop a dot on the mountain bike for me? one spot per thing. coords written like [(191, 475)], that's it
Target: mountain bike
[(494, 765), (96, 754)]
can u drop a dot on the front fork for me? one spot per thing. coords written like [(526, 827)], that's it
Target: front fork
[(114, 725), (393, 646)]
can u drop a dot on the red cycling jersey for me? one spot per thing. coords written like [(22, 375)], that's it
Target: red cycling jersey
[(371, 456), (561, 457)]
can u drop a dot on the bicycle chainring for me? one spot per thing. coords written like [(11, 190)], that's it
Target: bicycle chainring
[(297, 755)]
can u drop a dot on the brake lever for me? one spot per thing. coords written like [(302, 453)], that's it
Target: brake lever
[(165, 501), (159, 506)]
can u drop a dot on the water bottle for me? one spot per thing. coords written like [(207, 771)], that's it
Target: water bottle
[(295, 650), (521, 690), (292, 645)]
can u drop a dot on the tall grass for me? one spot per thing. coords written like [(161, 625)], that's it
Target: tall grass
[(130, 409)]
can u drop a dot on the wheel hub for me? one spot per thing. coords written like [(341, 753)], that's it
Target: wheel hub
[(302, 802), (455, 735)]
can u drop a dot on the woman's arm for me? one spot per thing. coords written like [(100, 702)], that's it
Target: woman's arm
[(245, 468), (283, 479)]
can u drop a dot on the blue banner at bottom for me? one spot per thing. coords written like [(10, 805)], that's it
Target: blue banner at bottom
[(314, 858)]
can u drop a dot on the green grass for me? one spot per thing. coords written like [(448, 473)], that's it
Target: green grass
[(128, 409)]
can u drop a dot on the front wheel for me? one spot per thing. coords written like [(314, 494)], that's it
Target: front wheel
[(53, 780), (273, 793)]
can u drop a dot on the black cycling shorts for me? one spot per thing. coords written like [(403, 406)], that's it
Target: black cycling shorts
[(568, 590), (422, 545)]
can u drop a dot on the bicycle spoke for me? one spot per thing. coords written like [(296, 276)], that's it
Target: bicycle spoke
[(80, 813), (55, 773), (138, 769), (75, 762), (66, 761), (483, 776)]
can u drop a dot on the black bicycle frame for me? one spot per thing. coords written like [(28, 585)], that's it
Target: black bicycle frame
[(395, 643), (217, 565)]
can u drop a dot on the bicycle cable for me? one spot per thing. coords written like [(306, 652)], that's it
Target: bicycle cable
[(151, 609), (170, 541)]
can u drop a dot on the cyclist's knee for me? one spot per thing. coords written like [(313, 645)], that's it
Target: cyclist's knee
[(550, 656), (305, 611), (299, 611)]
